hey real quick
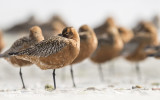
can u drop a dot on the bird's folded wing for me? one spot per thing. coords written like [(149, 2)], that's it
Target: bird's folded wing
[(45, 47), (131, 46), (105, 41), (17, 45)]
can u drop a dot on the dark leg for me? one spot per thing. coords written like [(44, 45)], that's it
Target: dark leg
[(54, 79), (20, 73), (101, 72), (72, 75), (138, 71)]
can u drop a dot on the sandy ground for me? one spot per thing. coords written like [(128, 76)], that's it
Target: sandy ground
[(120, 77)]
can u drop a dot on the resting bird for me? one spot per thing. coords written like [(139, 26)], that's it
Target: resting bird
[(53, 53), (88, 44), (108, 48), (35, 36), (145, 35)]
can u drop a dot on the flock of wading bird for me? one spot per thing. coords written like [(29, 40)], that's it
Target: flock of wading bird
[(65, 45)]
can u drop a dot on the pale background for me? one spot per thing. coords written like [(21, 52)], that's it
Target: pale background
[(78, 12)]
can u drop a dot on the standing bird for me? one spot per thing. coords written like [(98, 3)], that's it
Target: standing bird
[(53, 53), (88, 44), (1, 41), (35, 36), (145, 35), (108, 48)]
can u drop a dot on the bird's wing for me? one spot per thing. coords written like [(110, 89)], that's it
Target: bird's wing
[(18, 45), (105, 41), (83, 35), (45, 47), (129, 48)]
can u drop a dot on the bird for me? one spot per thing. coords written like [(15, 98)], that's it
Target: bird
[(125, 34), (108, 48), (35, 36), (55, 52), (88, 44), (101, 30), (145, 34), (23, 26), (53, 27), (2, 45)]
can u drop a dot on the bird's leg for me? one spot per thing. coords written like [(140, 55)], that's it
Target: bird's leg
[(101, 72), (138, 71), (72, 75), (54, 79), (20, 73)]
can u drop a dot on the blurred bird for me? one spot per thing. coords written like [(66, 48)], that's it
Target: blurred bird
[(108, 48), (24, 26), (101, 30), (145, 35), (53, 27), (88, 44), (53, 53), (35, 36), (1, 41)]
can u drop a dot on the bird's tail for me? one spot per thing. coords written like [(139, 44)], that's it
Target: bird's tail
[(4, 55), (8, 54), (13, 53)]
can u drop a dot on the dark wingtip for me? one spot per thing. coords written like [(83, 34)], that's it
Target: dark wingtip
[(3, 55), (13, 53)]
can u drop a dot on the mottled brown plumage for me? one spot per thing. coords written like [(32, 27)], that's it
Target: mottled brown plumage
[(55, 52), (108, 48), (1, 41), (88, 43), (125, 34)]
